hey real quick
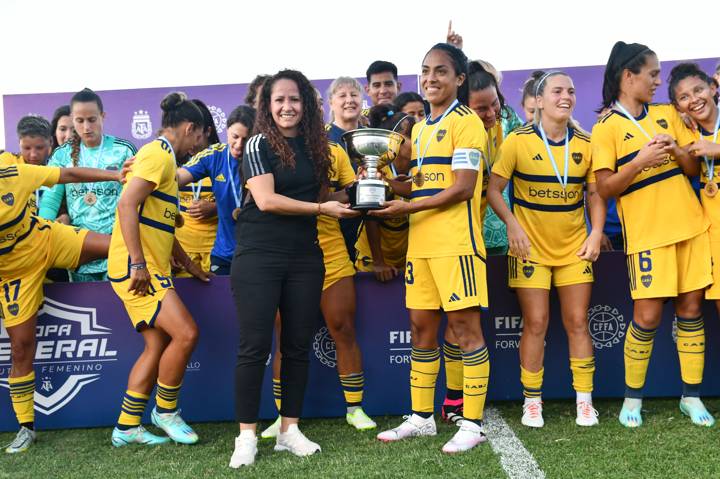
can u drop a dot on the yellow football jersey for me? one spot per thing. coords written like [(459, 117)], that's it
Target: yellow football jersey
[(553, 217), (490, 152), (17, 184), (154, 162), (7, 158), (329, 235), (457, 141), (393, 236), (710, 205), (197, 235), (659, 207)]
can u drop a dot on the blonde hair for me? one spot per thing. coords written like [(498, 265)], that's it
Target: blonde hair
[(335, 86), (490, 68), (539, 89)]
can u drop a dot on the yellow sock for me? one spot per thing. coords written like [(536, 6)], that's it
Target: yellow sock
[(352, 385), (166, 397), (22, 395), (277, 393), (476, 374), (133, 407), (424, 369), (638, 348), (453, 367), (691, 349), (532, 382), (583, 370)]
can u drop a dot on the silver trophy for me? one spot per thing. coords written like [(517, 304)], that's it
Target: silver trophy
[(374, 149)]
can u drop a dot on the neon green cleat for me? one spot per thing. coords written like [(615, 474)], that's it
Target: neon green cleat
[(272, 430), (359, 420)]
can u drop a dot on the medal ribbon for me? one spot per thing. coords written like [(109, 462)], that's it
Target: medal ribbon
[(564, 179), (421, 157), (634, 121), (237, 197), (710, 162)]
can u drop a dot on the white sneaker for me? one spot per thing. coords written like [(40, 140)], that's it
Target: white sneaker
[(295, 441), (272, 430), (245, 451), (532, 414), (469, 436), (587, 415), (413, 426)]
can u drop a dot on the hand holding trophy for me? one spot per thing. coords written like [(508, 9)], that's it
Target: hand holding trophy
[(374, 149)]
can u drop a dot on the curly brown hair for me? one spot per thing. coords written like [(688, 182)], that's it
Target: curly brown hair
[(311, 127)]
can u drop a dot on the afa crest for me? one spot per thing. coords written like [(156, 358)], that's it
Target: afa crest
[(141, 128), (577, 157), (663, 123), (441, 134)]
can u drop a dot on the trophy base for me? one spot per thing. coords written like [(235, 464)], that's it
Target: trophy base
[(367, 207), (367, 195)]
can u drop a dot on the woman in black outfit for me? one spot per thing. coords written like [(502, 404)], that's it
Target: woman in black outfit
[(278, 263)]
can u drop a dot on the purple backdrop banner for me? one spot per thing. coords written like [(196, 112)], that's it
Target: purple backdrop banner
[(86, 347)]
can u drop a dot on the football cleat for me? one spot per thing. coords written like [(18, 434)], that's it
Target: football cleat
[(272, 430), (413, 426), (174, 426), (631, 414), (469, 436), (587, 415), (22, 442), (695, 409), (359, 420), (136, 435), (532, 414)]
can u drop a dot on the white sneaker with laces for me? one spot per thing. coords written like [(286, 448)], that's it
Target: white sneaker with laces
[(469, 436), (587, 415), (413, 426), (245, 450), (532, 414), (293, 440)]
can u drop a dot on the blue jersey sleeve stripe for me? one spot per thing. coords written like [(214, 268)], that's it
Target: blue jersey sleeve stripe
[(426, 192), (433, 160), (549, 208), (164, 196), (157, 225), (578, 180), (15, 221)]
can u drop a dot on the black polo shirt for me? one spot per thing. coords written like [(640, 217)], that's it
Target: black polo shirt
[(264, 231)]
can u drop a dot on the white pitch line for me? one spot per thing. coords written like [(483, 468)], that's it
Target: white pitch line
[(517, 461)]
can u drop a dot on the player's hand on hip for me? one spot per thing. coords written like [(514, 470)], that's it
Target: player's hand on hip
[(139, 282), (518, 241)]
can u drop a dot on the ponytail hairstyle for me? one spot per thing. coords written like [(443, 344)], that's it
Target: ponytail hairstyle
[(479, 78), (59, 113), (311, 128), (623, 56), (176, 109), (388, 117), (85, 95), (460, 65), (539, 87), (208, 123), (682, 71), (528, 89)]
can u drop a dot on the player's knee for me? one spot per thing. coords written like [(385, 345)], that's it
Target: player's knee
[(535, 325), (577, 326), (187, 337), (22, 352), (343, 332), (690, 310), (422, 336)]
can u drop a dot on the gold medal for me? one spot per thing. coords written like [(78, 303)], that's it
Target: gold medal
[(90, 198), (179, 220), (236, 213), (418, 179), (711, 189)]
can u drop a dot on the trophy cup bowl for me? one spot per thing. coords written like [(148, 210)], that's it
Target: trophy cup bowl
[(374, 149)]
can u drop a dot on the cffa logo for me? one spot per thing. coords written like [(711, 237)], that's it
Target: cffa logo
[(141, 128), (72, 351), (218, 117), (508, 330), (607, 326), (324, 347)]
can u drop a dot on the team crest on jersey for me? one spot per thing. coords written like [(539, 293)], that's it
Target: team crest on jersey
[(219, 118), (577, 157), (8, 199), (528, 270), (324, 347), (141, 128), (13, 309), (441, 134), (646, 280), (73, 350), (662, 123)]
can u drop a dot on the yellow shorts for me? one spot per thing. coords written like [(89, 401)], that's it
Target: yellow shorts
[(21, 292), (336, 270), (451, 282), (526, 274), (670, 270), (143, 310), (713, 292), (203, 259)]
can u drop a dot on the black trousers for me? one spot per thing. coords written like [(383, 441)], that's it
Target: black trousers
[(262, 284)]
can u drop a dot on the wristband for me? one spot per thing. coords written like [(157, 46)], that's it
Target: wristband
[(137, 266), (318, 210)]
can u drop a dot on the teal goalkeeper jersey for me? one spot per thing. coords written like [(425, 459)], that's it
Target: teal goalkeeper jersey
[(90, 205)]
